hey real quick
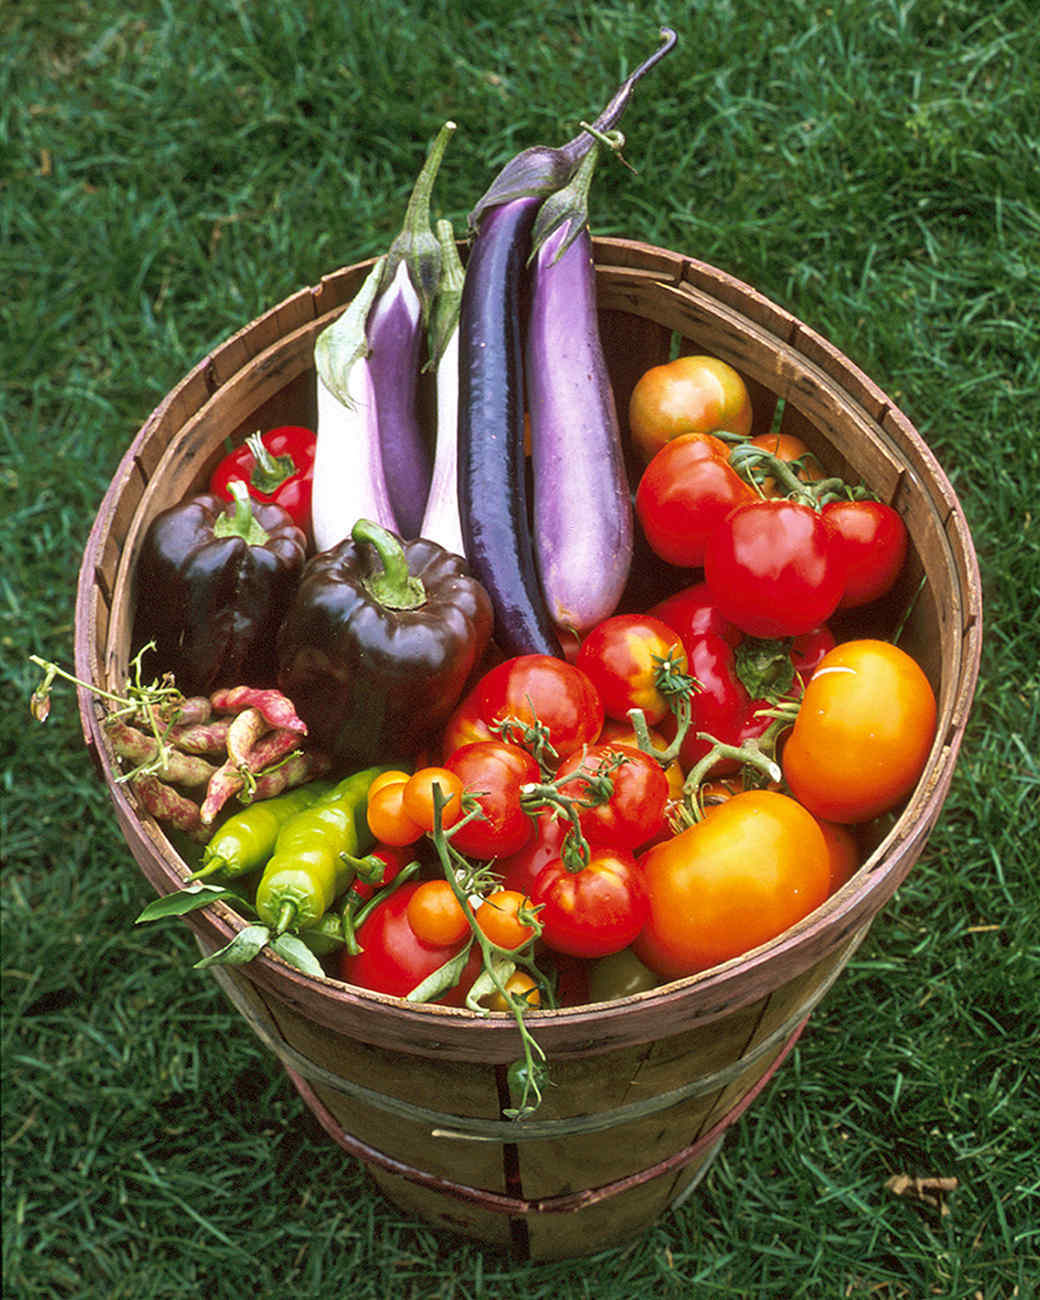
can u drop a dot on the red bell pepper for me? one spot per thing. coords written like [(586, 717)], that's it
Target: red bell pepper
[(277, 467)]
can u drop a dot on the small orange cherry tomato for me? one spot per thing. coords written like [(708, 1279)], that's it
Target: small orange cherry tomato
[(387, 819), (394, 776), (418, 797), (435, 914), (499, 918), (696, 394), (520, 985)]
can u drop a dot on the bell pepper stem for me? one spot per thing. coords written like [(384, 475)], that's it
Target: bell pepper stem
[(392, 586), (270, 471), (242, 522)]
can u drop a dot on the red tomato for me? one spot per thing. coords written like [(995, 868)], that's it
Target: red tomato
[(695, 394), (683, 496), (635, 810), (520, 870), (492, 772), (719, 707), (623, 656), (537, 688), (873, 543), (775, 568), (595, 911), (692, 612), (395, 859), (465, 724), (392, 960), (734, 881), (622, 733), (863, 733), (807, 651)]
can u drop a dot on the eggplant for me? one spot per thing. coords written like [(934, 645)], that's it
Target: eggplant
[(441, 521), (492, 487), (349, 479), (492, 482), (583, 519), (395, 336)]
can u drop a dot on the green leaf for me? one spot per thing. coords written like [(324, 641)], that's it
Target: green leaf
[(443, 978), (242, 948), (188, 899), (485, 984), (297, 954)]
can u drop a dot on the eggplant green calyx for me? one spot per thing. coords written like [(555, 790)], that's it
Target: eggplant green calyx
[(241, 522), (568, 206), (417, 245), (540, 169), (392, 586), (444, 318), (343, 342)]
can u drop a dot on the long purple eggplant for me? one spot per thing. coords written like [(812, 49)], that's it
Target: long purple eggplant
[(582, 507), (492, 490), (395, 337)]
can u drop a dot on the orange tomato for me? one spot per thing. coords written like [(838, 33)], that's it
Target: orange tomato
[(734, 881), (436, 916), (697, 394), (418, 797), (499, 918), (863, 732)]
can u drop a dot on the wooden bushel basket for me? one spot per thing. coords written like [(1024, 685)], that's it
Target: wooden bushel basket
[(643, 1088)]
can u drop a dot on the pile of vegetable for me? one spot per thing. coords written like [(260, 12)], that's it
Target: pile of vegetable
[(426, 733)]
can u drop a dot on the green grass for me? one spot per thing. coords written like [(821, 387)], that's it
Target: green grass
[(169, 171)]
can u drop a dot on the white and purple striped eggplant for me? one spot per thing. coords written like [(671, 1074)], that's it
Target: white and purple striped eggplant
[(583, 527)]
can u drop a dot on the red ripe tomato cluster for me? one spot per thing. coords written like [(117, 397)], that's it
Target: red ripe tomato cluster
[(604, 793)]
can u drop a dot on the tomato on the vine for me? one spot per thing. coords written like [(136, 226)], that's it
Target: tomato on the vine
[(386, 815), (492, 774), (545, 693), (394, 960), (499, 917), (691, 394), (635, 810), (684, 494), (734, 881), (873, 544), (418, 802), (395, 860), (786, 447), (595, 911), (775, 568), (519, 870), (625, 656), (863, 732)]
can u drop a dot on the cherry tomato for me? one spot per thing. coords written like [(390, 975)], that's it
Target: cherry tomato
[(387, 819), (520, 985), (394, 961), (786, 447), (595, 911), (694, 394), (540, 689), (499, 918), (436, 915), (863, 733), (417, 798), (683, 496), (737, 879), (492, 773), (873, 544), (635, 810), (693, 611), (520, 870), (775, 568), (623, 657)]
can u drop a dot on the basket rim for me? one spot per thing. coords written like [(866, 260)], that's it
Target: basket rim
[(695, 999)]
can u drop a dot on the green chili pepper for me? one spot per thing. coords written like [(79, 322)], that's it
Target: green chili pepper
[(246, 840), (311, 863)]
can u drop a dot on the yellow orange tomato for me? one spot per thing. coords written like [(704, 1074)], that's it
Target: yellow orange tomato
[(697, 394)]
